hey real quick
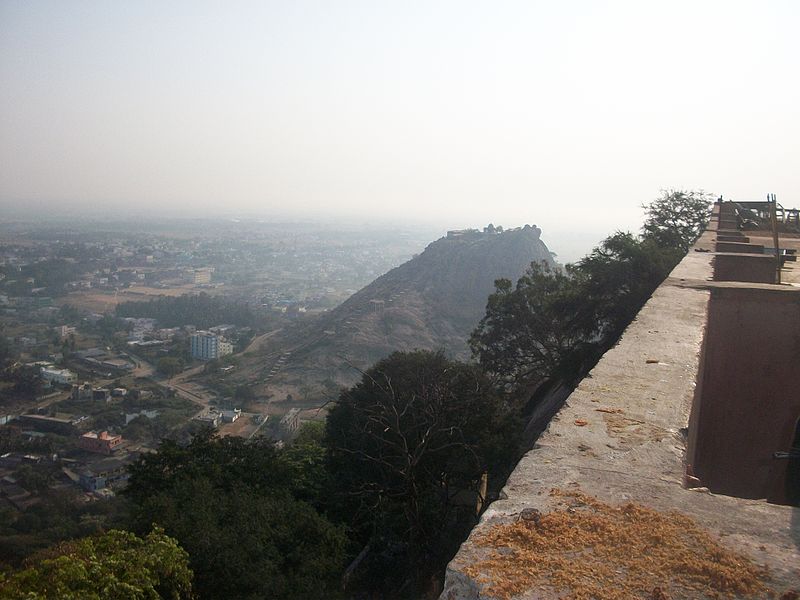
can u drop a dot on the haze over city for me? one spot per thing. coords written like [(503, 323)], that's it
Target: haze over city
[(568, 115), (312, 300)]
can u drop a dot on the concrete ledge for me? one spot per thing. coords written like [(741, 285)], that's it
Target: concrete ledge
[(739, 247), (733, 238), (731, 233), (753, 268), (621, 436)]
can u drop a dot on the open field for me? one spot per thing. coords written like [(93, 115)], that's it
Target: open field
[(244, 426), (102, 301)]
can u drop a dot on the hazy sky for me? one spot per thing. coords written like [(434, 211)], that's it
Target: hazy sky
[(560, 113)]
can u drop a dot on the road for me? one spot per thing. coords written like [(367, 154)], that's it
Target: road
[(193, 392), (143, 368), (147, 370)]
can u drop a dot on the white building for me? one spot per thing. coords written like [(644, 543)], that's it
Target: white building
[(210, 418), (208, 346), (62, 376), (230, 416)]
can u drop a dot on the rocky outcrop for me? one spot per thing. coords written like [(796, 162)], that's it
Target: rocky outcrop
[(432, 302)]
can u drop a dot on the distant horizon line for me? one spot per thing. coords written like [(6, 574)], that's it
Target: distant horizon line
[(30, 216), (572, 242)]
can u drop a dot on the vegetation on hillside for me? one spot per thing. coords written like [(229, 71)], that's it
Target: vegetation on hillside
[(554, 324)]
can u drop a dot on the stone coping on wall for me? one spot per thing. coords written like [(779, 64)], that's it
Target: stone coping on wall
[(621, 436)]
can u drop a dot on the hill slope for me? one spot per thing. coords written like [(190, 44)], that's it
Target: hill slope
[(432, 301)]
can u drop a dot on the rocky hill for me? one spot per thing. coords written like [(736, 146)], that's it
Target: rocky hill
[(432, 301)]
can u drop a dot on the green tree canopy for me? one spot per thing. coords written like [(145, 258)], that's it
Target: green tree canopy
[(117, 564), (170, 365), (201, 310), (407, 445), (557, 324), (618, 277), (676, 218), (531, 330), (240, 510), (7, 351)]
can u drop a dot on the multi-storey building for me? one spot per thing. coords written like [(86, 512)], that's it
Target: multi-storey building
[(102, 443), (62, 376), (202, 276), (209, 346)]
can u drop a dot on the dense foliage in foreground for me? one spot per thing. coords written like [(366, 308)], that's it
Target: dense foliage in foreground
[(408, 446), (245, 513), (116, 565)]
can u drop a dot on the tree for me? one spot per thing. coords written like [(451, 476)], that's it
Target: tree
[(534, 329), (556, 325), (170, 365), (7, 353), (201, 310), (306, 457), (618, 277), (676, 218), (27, 382), (240, 510), (33, 479), (244, 393), (117, 564), (405, 443), (108, 327)]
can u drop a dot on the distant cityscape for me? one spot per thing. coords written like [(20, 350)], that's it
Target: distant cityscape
[(91, 379)]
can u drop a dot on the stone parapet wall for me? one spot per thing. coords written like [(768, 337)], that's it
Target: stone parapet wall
[(622, 437)]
